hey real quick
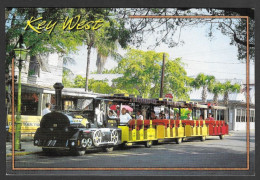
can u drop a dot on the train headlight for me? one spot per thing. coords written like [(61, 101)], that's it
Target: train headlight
[(72, 143)]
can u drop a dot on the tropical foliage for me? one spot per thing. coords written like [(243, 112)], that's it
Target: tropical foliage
[(204, 81), (142, 75), (217, 89), (230, 88)]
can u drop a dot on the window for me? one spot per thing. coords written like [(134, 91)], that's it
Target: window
[(221, 114), (68, 105), (252, 115), (238, 115), (243, 117)]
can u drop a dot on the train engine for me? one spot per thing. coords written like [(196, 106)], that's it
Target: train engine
[(58, 130)]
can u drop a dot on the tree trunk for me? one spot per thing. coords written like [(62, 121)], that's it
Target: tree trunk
[(87, 68), (226, 98), (215, 98), (98, 63), (204, 94), (101, 61)]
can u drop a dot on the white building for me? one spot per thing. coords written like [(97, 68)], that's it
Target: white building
[(237, 105)]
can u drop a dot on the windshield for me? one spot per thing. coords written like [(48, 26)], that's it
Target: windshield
[(78, 105)]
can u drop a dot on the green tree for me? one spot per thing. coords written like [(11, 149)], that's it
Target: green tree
[(204, 81), (230, 88), (65, 78), (217, 89), (142, 74), (100, 86), (97, 86), (59, 41), (79, 82)]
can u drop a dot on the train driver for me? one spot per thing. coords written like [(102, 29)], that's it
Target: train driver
[(111, 114), (124, 117)]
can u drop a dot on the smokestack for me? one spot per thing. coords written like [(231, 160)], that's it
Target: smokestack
[(58, 89)]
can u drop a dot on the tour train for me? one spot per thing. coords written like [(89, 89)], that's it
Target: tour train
[(90, 126)]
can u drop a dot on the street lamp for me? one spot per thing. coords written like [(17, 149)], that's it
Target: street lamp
[(20, 53)]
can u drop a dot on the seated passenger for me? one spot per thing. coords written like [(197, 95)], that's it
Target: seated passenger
[(210, 117), (201, 117), (162, 115), (153, 116), (189, 117), (139, 115), (111, 114), (177, 117), (124, 117)]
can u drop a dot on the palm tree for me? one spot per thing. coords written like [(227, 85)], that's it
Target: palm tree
[(229, 88), (204, 81), (105, 46), (217, 89)]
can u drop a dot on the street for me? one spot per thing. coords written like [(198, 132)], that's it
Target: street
[(213, 153)]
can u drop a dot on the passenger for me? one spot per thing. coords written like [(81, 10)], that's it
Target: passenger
[(177, 116), (189, 117), (111, 114), (210, 117), (162, 115), (124, 117), (153, 116), (47, 109), (139, 115), (201, 117)]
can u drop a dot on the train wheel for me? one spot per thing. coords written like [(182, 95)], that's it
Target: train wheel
[(203, 138), (178, 140), (114, 137), (148, 144), (221, 137), (108, 149), (97, 138)]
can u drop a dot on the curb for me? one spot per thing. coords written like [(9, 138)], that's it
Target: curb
[(21, 153)]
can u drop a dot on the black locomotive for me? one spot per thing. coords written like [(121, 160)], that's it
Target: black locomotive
[(92, 129)]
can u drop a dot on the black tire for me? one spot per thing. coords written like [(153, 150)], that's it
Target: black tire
[(108, 149), (156, 142), (122, 146), (148, 144), (49, 151), (178, 140), (203, 138), (221, 137)]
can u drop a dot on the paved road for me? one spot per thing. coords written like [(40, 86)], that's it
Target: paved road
[(213, 153)]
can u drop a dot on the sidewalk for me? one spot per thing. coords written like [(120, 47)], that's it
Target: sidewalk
[(28, 147)]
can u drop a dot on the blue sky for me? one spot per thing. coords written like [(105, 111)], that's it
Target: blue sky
[(200, 54)]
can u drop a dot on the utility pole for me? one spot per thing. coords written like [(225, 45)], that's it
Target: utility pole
[(162, 77)]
